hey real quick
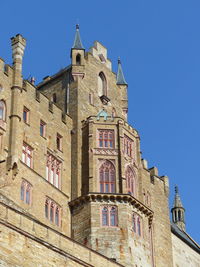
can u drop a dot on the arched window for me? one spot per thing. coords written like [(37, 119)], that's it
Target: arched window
[(52, 212), (130, 181), (179, 215), (78, 59), (139, 226), (134, 222), (54, 98), (28, 194), (107, 177), (25, 195), (113, 216), (148, 199), (105, 216), (57, 216), (109, 216), (47, 208), (2, 110), (102, 84)]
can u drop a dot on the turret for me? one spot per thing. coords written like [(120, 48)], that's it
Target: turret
[(77, 51), (121, 82), (18, 45), (178, 211)]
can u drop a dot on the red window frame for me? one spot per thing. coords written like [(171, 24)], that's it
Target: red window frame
[(106, 138), (27, 155), (107, 177), (109, 216), (130, 181), (53, 170), (128, 146), (137, 224), (26, 192), (53, 212)]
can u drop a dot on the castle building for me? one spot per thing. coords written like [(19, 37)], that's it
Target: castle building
[(74, 190)]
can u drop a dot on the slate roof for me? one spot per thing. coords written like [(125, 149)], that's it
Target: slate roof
[(120, 75), (185, 237), (77, 41)]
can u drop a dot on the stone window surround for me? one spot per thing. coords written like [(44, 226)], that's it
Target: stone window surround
[(26, 192), (109, 213), (52, 206)]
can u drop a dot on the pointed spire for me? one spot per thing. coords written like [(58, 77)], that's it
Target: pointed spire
[(177, 199), (120, 75), (178, 211), (77, 40)]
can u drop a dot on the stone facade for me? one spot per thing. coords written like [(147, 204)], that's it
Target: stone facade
[(72, 181)]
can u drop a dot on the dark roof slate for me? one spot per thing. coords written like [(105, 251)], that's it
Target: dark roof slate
[(185, 237)]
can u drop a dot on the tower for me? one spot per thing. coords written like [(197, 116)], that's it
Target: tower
[(178, 211)]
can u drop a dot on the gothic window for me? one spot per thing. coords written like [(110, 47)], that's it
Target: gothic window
[(106, 138), (27, 155), (134, 223), (59, 142), (128, 146), (148, 199), (113, 216), (52, 212), (105, 216), (78, 59), (107, 177), (26, 115), (102, 84), (139, 226), (42, 128), (54, 98), (130, 181), (109, 216), (25, 193), (2, 110), (53, 170)]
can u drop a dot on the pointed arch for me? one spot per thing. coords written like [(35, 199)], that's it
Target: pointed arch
[(2, 110), (107, 177), (78, 59), (102, 84), (130, 181)]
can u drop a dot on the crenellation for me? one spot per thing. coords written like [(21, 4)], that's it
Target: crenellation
[(73, 186)]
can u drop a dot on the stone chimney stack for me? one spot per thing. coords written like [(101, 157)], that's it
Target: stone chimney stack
[(18, 45)]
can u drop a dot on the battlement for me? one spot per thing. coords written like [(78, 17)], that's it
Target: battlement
[(45, 103), (55, 246), (100, 53)]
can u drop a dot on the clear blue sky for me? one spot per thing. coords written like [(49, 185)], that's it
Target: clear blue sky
[(159, 45)]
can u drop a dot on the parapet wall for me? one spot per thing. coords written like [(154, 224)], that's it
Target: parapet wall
[(25, 241)]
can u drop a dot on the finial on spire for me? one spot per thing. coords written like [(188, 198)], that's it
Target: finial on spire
[(120, 75), (77, 40), (176, 189), (178, 211)]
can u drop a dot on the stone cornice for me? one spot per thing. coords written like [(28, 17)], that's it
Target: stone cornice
[(126, 198)]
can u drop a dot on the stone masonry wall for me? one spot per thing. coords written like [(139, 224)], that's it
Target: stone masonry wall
[(26, 242)]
